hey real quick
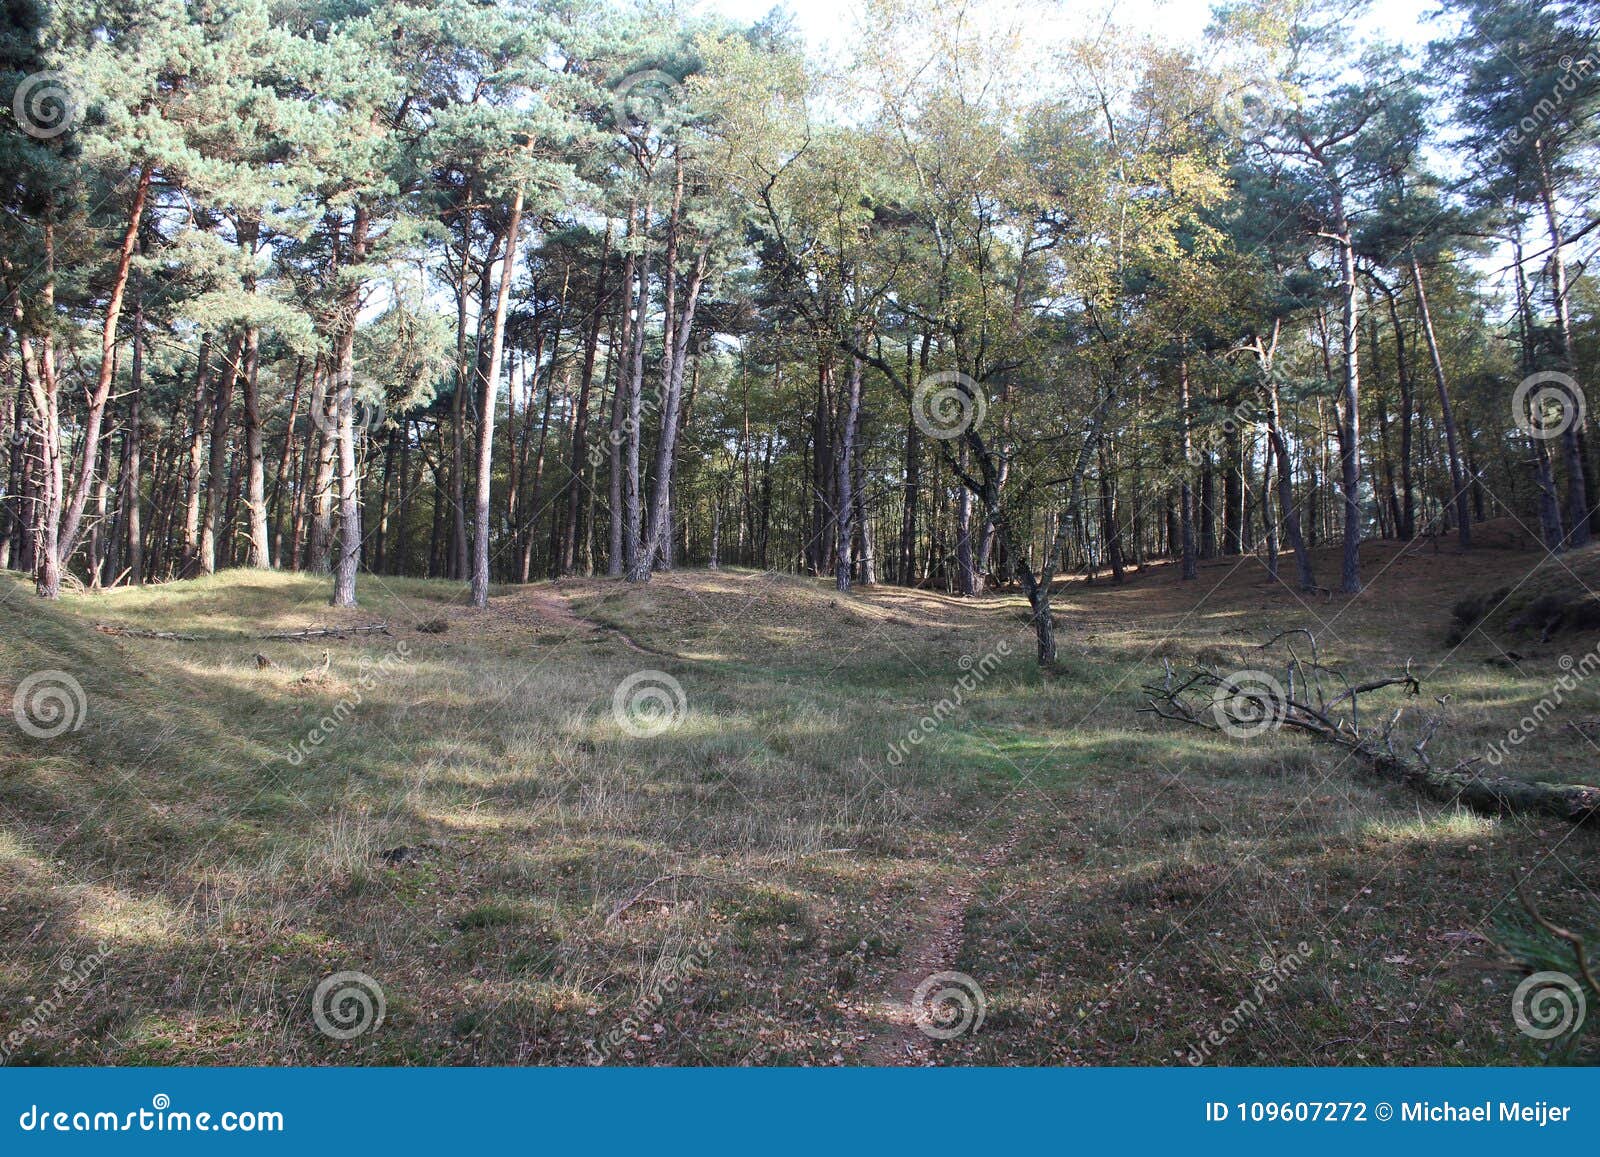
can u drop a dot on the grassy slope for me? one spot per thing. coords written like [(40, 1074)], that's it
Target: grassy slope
[(1154, 869)]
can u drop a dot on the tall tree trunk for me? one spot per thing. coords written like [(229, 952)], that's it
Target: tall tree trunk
[(380, 542), (631, 512), (260, 555), (215, 524), (195, 463), (538, 483), (100, 543), (580, 418), (1408, 409), (845, 513), (349, 552), (72, 519), (1549, 506), (666, 446), (1286, 504), (281, 478), (1458, 477), (1577, 511), (869, 552), (1191, 568), (132, 464), (491, 386), (1350, 408)]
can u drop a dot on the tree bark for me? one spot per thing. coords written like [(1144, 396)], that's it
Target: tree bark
[(1458, 477), (349, 552), (491, 386), (580, 420), (1577, 512), (260, 555), (214, 524), (666, 446), (72, 519), (845, 512)]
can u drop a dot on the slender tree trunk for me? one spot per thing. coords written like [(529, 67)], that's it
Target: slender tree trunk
[(869, 553), (619, 368), (72, 519), (538, 484), (100, 542), (1458, 478), (1191, 568), (349, 552), (1286, 504), (192, 545), (1577, 512), (1350, 408), (215, 524), (666, 447), (845, 513), (580, 419), (132, 467), (631, 513), (260, 555), (491, 386), (1549, 506), (285, 471)]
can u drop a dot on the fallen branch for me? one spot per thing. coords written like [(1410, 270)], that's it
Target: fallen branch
[(1579, 949), (330, 632), (133, 633), (1240, 706), (306, 633)]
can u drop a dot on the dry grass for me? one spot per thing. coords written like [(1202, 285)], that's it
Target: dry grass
[(474, 817)]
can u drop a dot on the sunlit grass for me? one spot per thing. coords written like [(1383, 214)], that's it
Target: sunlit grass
[(486, 774)]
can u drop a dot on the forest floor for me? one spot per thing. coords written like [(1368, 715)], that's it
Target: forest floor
[(467, 811)]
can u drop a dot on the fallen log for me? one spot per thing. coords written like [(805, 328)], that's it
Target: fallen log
[(1248, 703), (291, 636), (329, 632), (1492, 795), (135, 633)]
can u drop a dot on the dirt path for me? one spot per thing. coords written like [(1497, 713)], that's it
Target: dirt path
[(898, 1016)]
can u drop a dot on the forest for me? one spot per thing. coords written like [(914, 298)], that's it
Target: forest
[(498, 292), (555, 337)]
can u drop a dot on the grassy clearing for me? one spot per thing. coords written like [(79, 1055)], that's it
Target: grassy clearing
[(476, 829)]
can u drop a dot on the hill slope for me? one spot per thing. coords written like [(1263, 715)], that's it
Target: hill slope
[(734, 817)]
